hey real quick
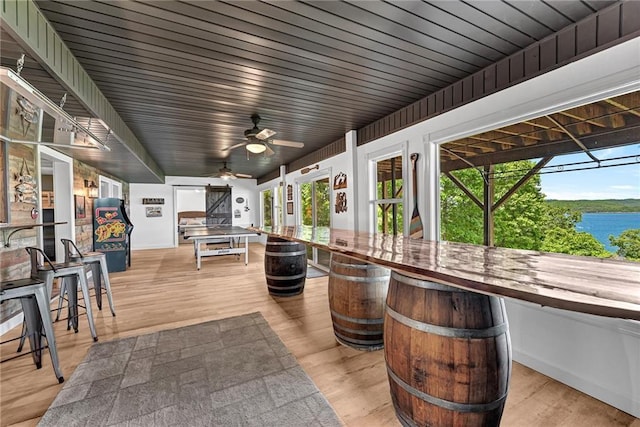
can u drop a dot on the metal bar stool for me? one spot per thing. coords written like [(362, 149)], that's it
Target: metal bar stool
[(97, 261), (34, 298), (73, 272)]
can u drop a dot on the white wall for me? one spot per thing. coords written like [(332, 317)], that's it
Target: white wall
[(596, 355), (160, 232), (191, 199), (155, 232)]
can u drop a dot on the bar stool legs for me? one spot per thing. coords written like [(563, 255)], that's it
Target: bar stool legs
[(98, 271), (71, 285), (68, 271), (34, 298), (42, 300), (98, 263)]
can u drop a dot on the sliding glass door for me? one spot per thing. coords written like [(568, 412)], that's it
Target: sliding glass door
[(315, 210)]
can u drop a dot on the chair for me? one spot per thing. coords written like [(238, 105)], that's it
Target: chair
[(97, 261), (71, 272), (34, 297)]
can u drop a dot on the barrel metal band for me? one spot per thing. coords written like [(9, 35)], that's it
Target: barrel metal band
[(357, 266), (285, 287), (447, 404), (373, 321), (357, 341), (424, 284), (355, 331), (288, 243), (295, 276), (359, 278), (283, 254), (492, 331)]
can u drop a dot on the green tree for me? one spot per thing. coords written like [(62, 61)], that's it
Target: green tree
[(628, 244), (518, 223), (524, 221), (570, 241)]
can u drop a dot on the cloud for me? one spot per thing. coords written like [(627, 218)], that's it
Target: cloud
[(623, 187)]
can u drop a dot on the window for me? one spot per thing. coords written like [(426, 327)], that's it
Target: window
[(389, 194), (315, 210), (266, 197), (109, 187)]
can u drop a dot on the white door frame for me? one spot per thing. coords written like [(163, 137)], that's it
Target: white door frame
[(63, 193)]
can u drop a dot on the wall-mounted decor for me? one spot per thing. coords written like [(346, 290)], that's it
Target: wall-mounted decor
[(237, 213), (26, 190), (289, 208), (307, 170), (340, 181), (155, 201), (240, 200), (289, 192), (341, 202), (80, 207), (153, 211)]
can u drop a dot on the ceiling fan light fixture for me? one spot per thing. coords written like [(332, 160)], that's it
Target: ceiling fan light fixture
[(256, 148)]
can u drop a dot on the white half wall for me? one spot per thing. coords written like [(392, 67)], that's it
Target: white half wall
[(596, 355)]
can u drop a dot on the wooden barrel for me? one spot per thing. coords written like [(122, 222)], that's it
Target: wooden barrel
[(448, 354), (357, 293), (285, 266)]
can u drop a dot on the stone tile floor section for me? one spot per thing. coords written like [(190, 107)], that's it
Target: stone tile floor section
[(230, 372)]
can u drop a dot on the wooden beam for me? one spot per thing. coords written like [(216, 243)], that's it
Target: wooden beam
[(464, 189), (542, 163), (489, 194)]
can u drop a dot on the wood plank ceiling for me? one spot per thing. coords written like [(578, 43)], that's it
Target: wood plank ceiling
[(186, 76)]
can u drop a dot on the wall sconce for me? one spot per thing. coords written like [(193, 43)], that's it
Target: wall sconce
[(92, 189)]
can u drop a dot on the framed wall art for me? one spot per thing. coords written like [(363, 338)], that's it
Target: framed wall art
[(80, 207)]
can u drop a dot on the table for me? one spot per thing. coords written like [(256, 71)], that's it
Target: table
[(604, 287), (229, 234)]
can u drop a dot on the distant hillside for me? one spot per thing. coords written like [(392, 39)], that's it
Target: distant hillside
[(608, 205)]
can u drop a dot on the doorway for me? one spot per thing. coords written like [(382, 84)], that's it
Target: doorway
[(56, 184), (315, 211)]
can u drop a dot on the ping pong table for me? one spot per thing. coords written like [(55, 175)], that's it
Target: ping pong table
[(228, 235)]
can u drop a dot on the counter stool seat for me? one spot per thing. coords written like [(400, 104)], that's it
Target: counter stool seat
[(71, 273), (34, 297), (97, 261)]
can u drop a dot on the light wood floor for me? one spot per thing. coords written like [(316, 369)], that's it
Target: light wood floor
[(163, 290)]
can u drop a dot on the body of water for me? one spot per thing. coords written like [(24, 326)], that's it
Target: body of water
[(602, 225)]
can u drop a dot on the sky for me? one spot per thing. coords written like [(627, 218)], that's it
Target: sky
[(619, 182)]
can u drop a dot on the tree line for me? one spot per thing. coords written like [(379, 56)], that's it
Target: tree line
[(598, 206)]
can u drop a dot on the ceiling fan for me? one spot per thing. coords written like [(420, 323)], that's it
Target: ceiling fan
[(258, 140), (225, 173)]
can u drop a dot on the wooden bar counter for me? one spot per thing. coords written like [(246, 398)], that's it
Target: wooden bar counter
[(597, 286)]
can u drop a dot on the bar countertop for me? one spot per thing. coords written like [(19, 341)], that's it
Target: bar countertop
[(605, 287)]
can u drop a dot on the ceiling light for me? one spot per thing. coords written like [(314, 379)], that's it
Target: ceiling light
[(256, 148)]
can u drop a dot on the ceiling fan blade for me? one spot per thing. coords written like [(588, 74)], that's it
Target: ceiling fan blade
[(233, 147), (265, 134), (284, 143), (242, 175), (268, 152)]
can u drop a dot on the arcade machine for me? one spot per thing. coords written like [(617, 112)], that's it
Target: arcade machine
[(112, 232)]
